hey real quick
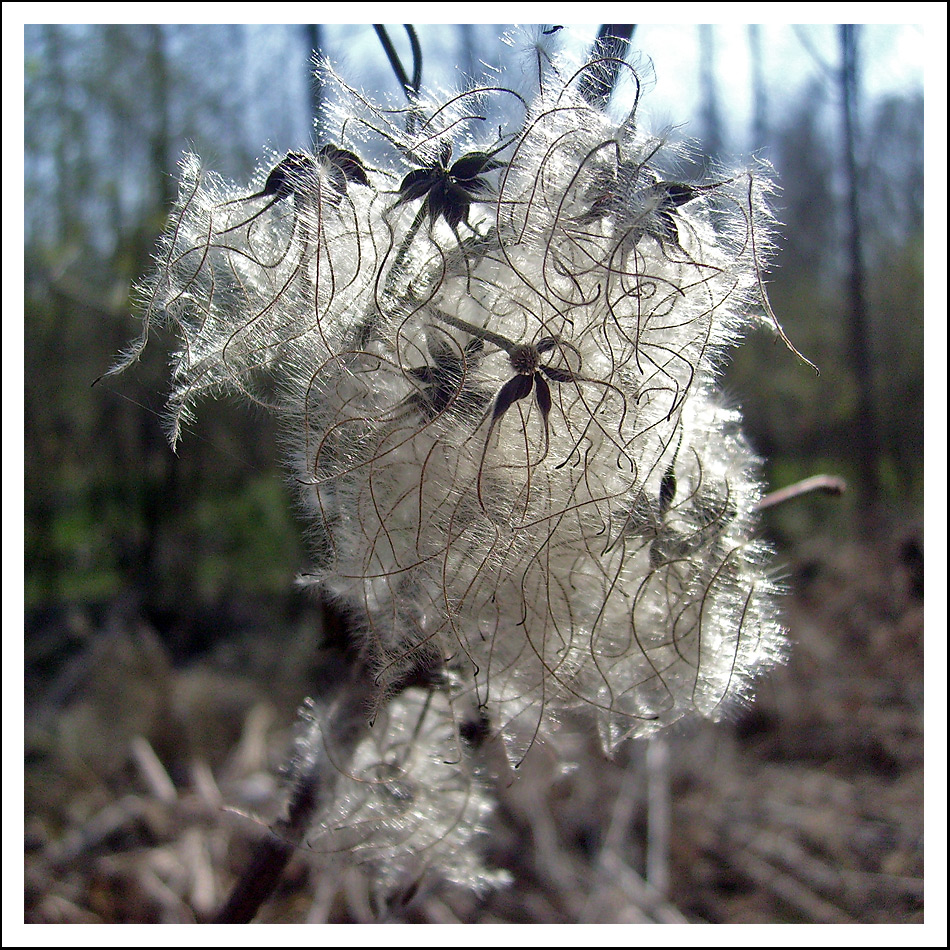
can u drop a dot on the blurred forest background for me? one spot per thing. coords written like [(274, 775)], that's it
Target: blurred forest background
[(159, 588)]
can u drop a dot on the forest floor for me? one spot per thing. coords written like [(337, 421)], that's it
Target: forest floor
[(807, 807)]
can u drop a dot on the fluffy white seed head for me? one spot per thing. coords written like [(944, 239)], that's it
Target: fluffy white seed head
[(494, 353), (405, 800)]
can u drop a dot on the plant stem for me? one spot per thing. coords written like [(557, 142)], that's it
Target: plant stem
[(314, 781), (829, 484)]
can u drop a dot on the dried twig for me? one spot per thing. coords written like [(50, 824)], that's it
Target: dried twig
[(829, 484)]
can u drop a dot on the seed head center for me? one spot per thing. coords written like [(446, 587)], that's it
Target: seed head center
[(525, 359)]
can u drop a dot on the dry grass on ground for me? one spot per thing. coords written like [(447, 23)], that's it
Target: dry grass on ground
[(806, 808)]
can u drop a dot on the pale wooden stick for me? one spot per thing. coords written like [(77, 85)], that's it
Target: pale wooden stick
[(829, 484)]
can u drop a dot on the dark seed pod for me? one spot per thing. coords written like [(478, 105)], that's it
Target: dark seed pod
[(287, 175)]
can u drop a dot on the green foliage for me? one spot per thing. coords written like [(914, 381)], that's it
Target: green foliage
[(109, 508), (254, 539)]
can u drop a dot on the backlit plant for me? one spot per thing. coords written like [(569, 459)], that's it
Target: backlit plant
[(496, 379)]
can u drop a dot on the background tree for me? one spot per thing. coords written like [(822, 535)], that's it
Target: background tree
[(710, 117), (858, 318), (99, 171), (760, 104), (206, 547)]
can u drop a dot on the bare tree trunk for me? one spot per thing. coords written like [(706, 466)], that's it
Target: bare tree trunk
[(865, 435), (61, 191), (613, 41), (160, 144), (468, 55), (711, 117), (760, 125), (313, 34)]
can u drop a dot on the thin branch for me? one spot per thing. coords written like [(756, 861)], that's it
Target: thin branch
[(828, 484), (659, 815), (258, 882), (314, 782), (409, 86), (416, 61)]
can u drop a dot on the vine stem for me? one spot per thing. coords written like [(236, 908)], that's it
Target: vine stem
[(482, 333), (403, 251), (313, 785), (410, 86)]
